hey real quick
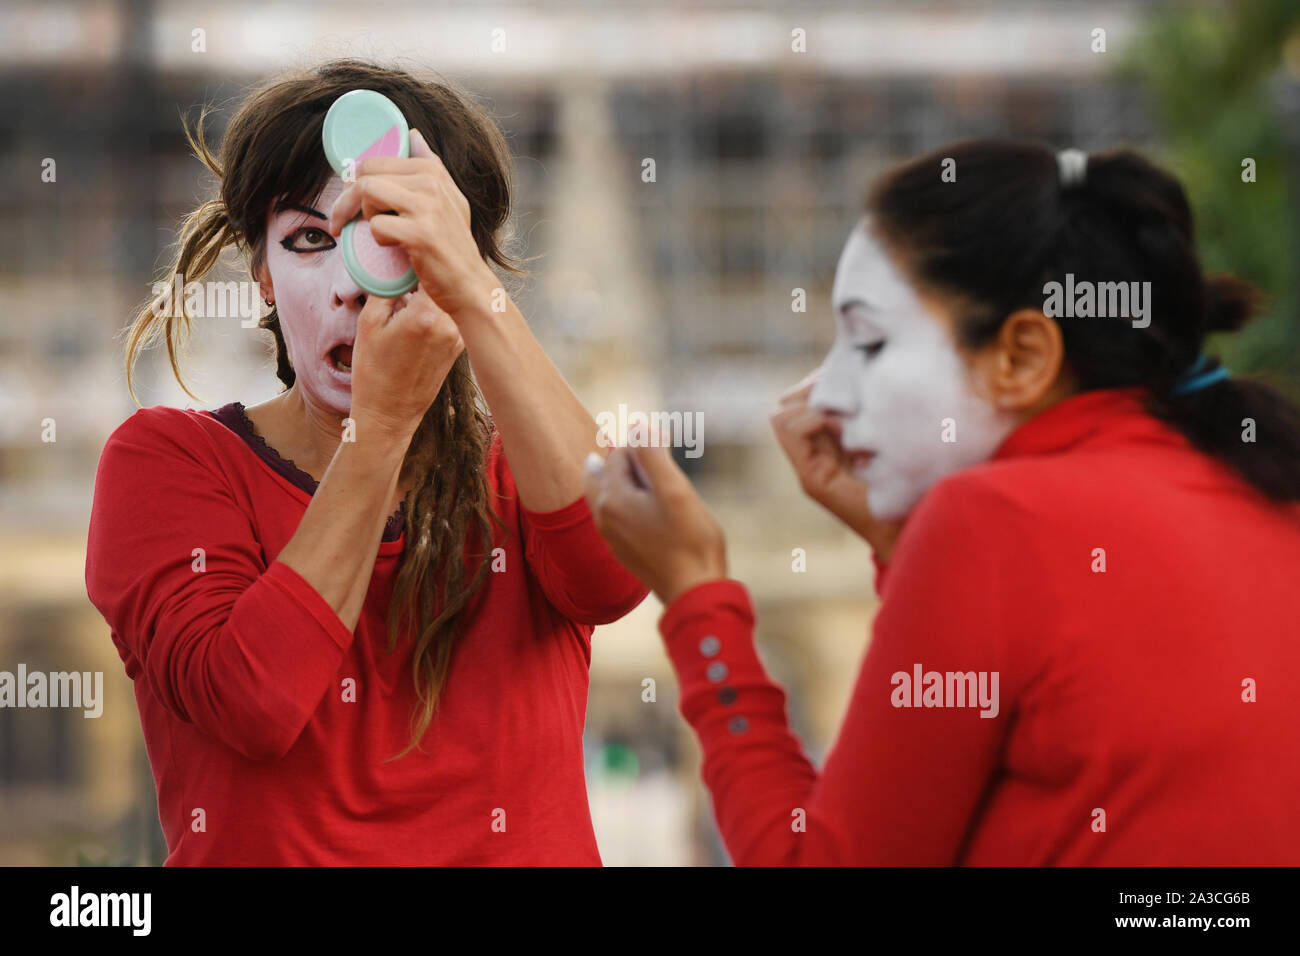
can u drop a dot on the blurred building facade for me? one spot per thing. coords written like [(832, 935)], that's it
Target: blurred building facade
[(674, 293)]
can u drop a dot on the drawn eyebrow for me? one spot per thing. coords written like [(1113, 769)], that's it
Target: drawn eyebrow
[(285, 207)]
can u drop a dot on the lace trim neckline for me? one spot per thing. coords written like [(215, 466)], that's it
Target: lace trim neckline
[(307, 479), (311, 483)]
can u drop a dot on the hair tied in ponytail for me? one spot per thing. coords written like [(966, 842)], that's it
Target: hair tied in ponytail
[(1196, 378), (1230, 303)]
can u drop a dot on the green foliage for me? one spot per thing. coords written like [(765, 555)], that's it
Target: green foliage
[(1217, 75)]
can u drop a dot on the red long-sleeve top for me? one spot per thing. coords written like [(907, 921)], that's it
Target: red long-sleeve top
[(1126, 732), (269, 724)]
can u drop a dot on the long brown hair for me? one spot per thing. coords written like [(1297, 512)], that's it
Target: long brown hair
[(271, 152)]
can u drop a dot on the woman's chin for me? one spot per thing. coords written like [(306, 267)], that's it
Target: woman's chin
[(888, 501), (329, 396)]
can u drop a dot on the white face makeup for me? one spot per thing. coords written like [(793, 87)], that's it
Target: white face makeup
[(317, 301), (895, 379)]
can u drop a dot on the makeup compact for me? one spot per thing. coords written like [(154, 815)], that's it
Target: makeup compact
[(361, 124)]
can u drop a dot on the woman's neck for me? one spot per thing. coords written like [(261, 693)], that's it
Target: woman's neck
[(306, 435)]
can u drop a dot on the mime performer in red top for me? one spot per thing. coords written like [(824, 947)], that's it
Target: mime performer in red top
[(359, 615), (1086, 536)]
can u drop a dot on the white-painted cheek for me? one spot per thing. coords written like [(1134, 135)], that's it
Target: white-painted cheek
[(924, 397), (298, 293)]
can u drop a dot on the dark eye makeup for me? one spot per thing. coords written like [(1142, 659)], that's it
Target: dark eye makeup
[(288, 241)]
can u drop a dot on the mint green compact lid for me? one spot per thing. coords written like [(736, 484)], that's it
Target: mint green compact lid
[(361, 124)]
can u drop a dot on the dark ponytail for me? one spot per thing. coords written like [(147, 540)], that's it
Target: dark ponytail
[(1218, 418), (1007, 226)]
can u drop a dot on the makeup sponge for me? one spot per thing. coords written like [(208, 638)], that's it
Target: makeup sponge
[(384, 263)]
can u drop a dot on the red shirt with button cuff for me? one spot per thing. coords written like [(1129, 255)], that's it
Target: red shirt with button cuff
[(1144, 713), (269, 724)]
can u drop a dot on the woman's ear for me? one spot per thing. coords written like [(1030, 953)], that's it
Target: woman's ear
[(1024, 368), (263, 275)]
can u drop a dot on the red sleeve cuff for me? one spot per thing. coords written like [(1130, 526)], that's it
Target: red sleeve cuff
[(725, 596), (577, 570), (570, 515)]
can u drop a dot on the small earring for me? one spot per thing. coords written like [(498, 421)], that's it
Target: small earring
[(268, 301)]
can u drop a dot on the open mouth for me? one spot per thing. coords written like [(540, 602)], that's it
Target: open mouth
[(341, 357)]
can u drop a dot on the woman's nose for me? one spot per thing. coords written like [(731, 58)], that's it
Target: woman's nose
[(346, 290), (829, 393)]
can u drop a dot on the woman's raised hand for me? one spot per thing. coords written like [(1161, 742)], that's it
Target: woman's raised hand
[(654, 521), (431, 225), (404, 349), (810, 438)]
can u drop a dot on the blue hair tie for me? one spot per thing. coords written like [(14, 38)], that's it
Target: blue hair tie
[(1196, 378)]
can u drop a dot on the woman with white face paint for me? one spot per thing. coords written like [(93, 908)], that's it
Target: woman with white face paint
[(1064, 666), (359, 615)]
